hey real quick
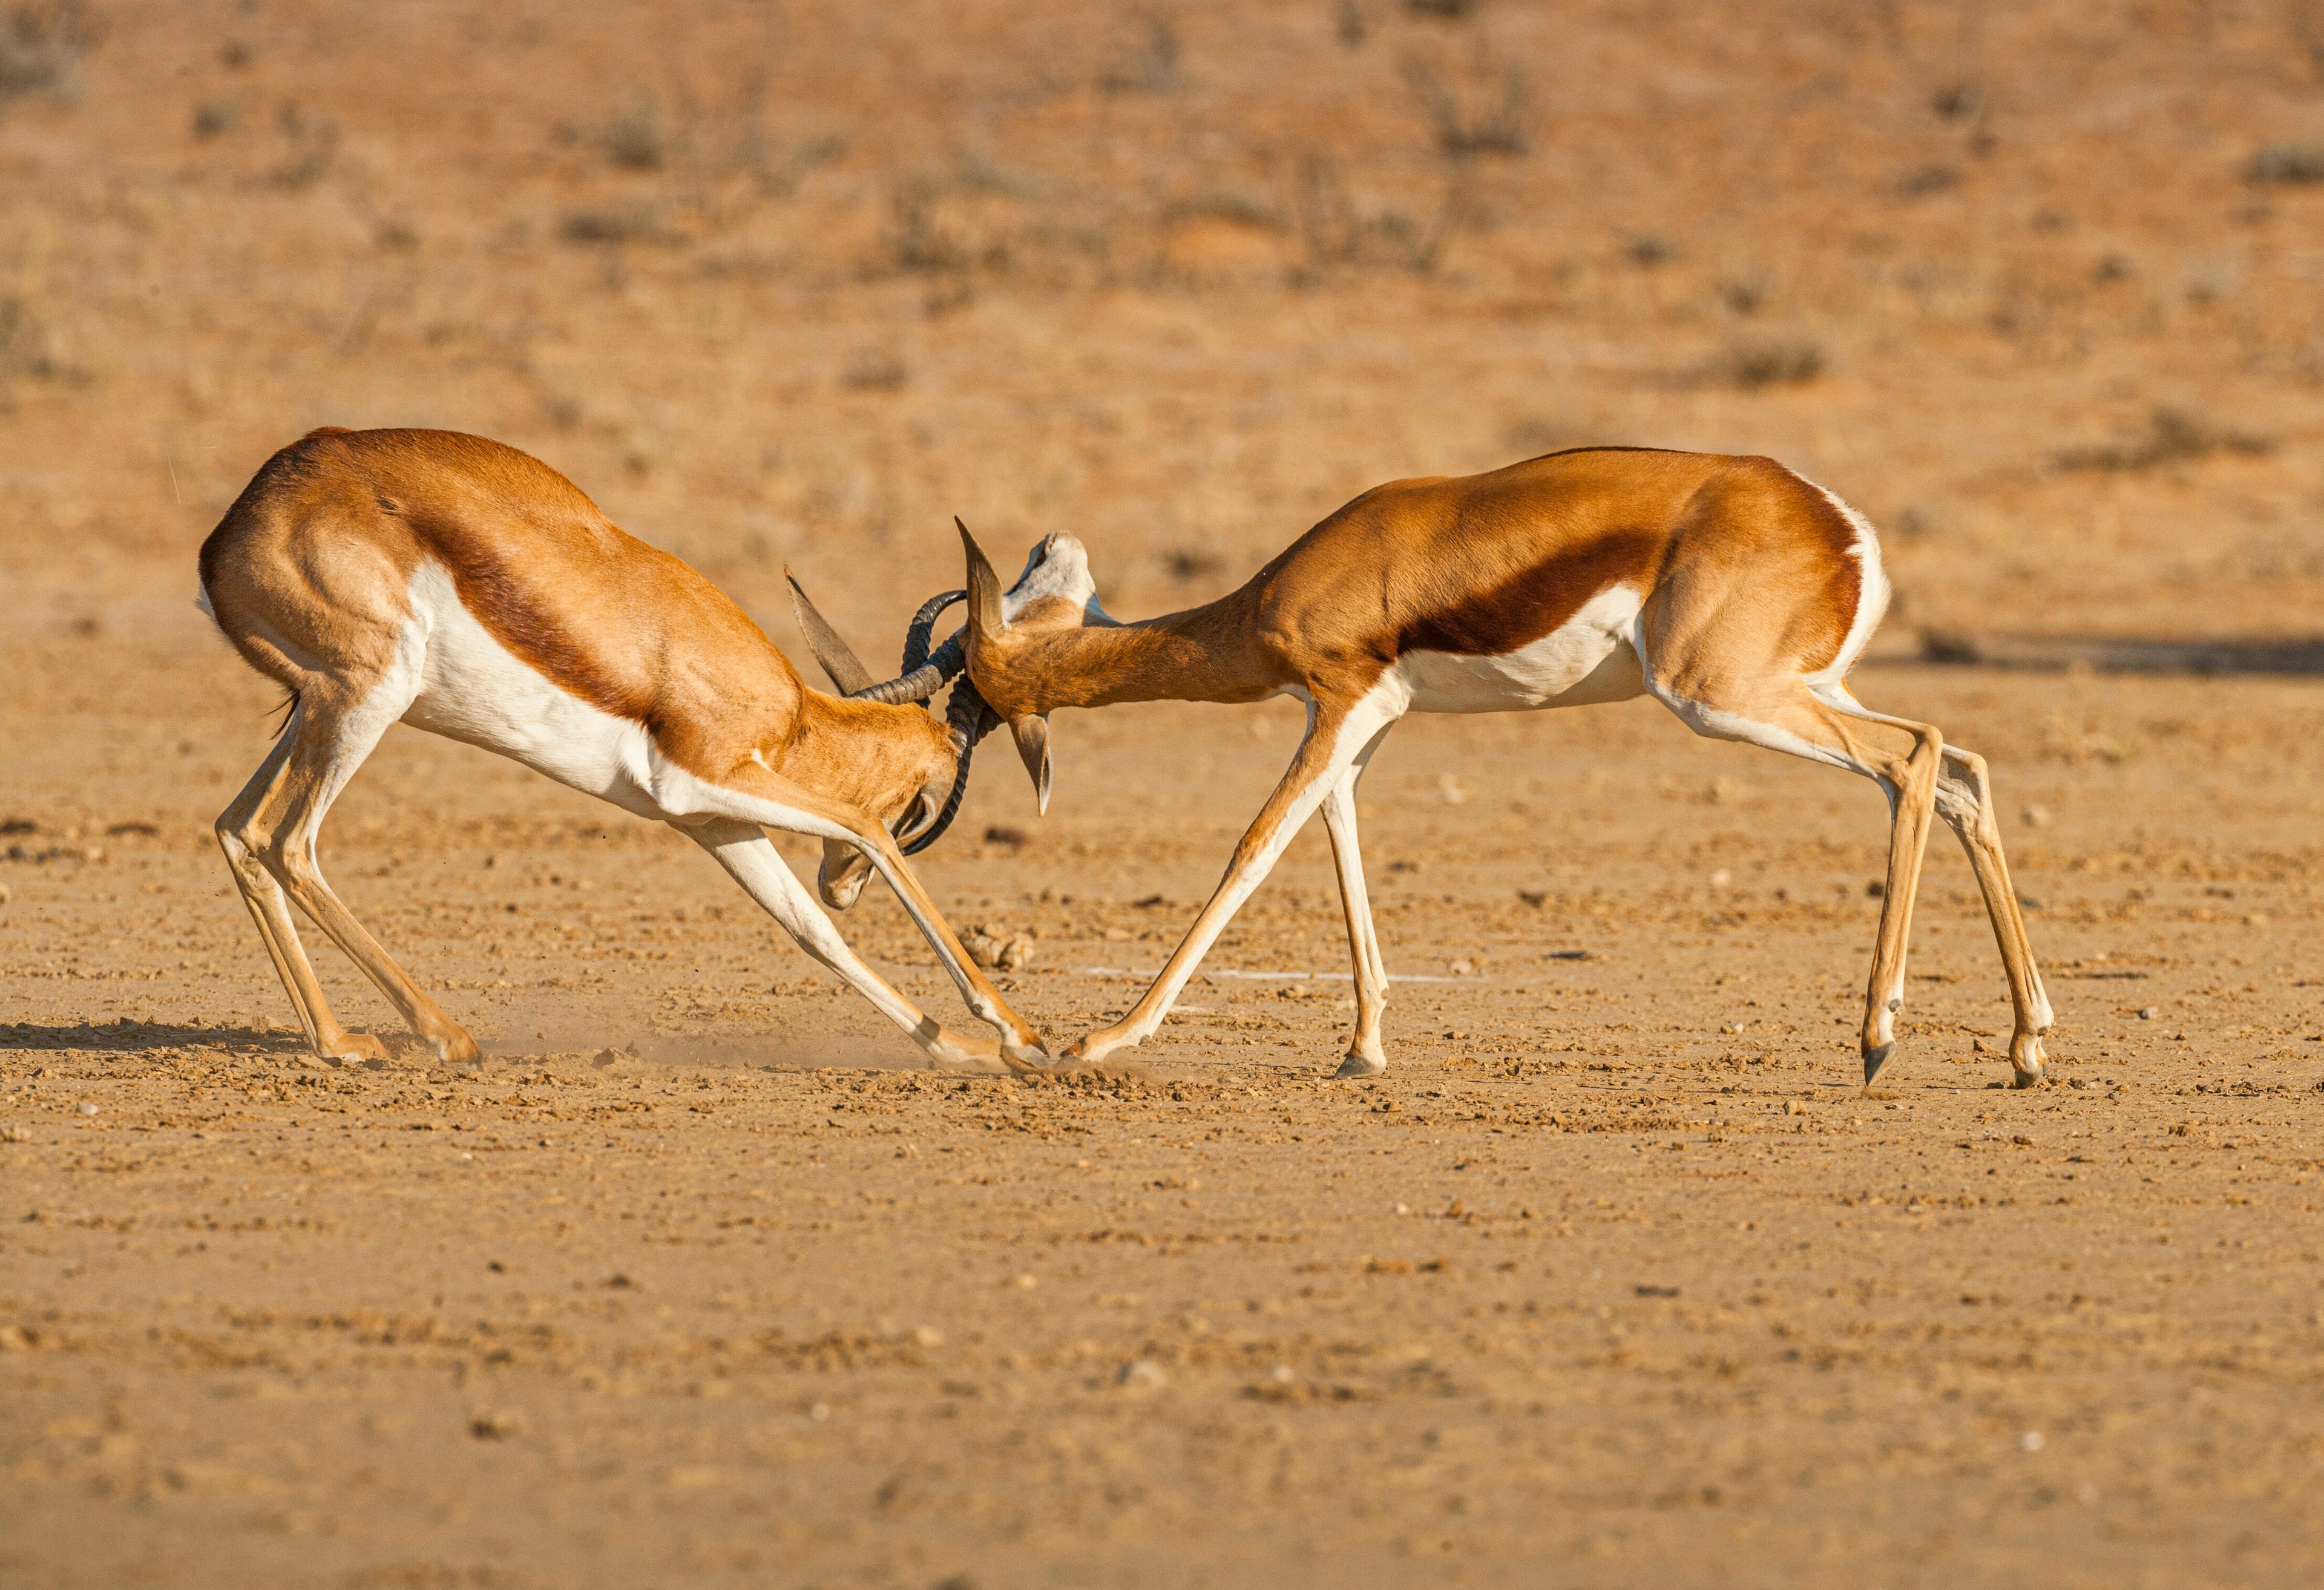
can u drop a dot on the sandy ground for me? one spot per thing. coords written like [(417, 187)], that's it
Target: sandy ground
[(1617, 1277)]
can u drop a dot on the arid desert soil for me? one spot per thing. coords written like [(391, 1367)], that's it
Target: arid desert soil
[(1617, 1277)]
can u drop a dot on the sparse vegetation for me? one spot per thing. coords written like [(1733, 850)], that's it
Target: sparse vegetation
[(613, 223), (1151, 64), (2173, 436), (1503, 125), (2287, 164), (634, 139), (875, 370), (1650, 250), (214, 118), (42, 43), (1773, 362)]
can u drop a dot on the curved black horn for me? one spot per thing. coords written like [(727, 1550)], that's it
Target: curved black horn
[(923, 627), (972, 720), (923, 675)]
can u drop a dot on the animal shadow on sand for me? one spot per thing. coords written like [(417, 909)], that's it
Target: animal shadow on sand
[(124, 1036)]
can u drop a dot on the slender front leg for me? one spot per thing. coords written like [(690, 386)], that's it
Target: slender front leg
[(1366, 1056), (1335, 735), (757, 795), (752, 860)]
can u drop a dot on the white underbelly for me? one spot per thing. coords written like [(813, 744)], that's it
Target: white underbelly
[(1588, 658), (474, 689)]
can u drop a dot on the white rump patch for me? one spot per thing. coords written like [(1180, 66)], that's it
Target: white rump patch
[(1872, 591), (1587, 659)]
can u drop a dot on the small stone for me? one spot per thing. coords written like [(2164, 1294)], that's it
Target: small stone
[(1721, 877), (2031, 1441), (2149, 1012), (1141, 1374), (1025, 1283), (819, 1412), (1793, 1107), (89, 1109), (2037, 816), (928, 1335), (1282, 1374), (496, 1427)]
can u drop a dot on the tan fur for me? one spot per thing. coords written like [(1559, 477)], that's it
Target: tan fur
[(308, 576), (1749, 581)]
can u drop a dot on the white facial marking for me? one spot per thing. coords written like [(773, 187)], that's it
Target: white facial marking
[(1587, 659), (1058, 566)]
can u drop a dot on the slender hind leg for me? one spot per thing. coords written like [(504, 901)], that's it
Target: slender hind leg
[(282, 832), (1366, 1056), (1801, 724), (272, 911), (1965, 801)]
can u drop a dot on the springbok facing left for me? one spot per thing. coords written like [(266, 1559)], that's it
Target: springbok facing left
[(463, 587)]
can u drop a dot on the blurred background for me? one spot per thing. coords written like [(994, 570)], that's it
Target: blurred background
[(2034, 284)]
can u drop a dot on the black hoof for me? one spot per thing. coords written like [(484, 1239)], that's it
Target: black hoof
[(1873, 1059)]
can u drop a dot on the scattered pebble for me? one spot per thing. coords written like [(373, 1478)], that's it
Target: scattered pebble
[(1025, 1283), (2037, 816), (819, 1412), (2031, 1441), (1142, 1374), (2149, 1012), (1282, 1374), (89, 1109), (496, 1427)]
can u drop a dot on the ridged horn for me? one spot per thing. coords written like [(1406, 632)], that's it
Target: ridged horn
[(972, 720), (840, 664)]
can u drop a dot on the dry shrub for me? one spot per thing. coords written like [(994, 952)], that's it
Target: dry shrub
[(613, 223), (1148, 66), (1777, 361), (2173, 436), (42, 44), (2289, 164), (1502, 125), (875, 370)]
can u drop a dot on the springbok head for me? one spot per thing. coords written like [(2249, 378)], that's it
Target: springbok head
[(925, 811), (1055, 592)]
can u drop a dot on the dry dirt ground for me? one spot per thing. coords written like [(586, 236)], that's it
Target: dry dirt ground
[(1617, 1277)]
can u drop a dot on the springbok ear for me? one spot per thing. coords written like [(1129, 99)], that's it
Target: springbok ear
[(845, 668), (1032, 735), (983, 587)]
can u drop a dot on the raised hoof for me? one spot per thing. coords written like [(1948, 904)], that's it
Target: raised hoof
[(1873, 1059), (1359, 1065)]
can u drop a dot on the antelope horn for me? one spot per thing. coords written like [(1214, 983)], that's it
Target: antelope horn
[(923, 627), (972, 720), (983, 587), (846, 670)]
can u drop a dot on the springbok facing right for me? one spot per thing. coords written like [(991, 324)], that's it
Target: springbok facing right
[(460, 586), (1733, 591)]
